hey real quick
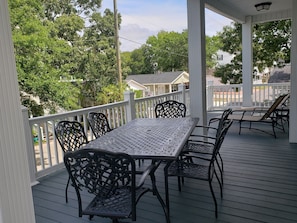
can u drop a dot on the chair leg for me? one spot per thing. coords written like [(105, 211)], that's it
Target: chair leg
[(273, 129), (179, 183), (221, 171), (221, 186), (66, 189), (222, 165), (239, 128), (214, 198)]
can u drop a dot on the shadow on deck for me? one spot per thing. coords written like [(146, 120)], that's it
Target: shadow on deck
[(260, 185)]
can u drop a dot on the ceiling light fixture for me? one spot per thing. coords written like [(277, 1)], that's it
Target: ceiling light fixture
[(263, 6)]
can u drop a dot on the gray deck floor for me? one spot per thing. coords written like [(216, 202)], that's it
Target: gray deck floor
[(260, 185)]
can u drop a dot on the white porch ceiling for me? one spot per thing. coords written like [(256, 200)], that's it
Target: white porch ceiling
[(238, 10)]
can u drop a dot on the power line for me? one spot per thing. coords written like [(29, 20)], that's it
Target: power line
[(141, 44)]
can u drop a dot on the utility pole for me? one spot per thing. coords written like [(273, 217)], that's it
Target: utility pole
[(116, 34)]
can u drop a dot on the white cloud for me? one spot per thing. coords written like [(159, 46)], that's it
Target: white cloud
[(141, 19), (132, 36)]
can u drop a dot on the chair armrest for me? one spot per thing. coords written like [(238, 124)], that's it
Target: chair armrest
[(200, 142), (200, 138), (191, 156), (204, 131), (206, 127)]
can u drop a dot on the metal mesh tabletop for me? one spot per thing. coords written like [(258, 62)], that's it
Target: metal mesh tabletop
[(148, 138)]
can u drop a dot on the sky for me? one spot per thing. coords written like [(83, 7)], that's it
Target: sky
[(142, 18)]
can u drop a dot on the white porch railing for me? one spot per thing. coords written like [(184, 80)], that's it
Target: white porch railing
[(221, 97), (45, 155)]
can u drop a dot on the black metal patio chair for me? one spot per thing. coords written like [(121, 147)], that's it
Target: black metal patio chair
[(170, 109), (203, 144), (98, 123), (110, 178), (196, 167), (71, 136)]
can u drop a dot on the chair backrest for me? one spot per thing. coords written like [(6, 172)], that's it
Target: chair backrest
[(70, 135), (109, 176), (220, 138), (223, 119), (170, 109), (285, 103), (98, 123), (274, 106)]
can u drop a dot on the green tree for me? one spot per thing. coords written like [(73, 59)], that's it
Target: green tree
[(271, 43), (213, 44), (98, 64), (139, 61), (35, 53), (126, 60), (111, 93), (60, 42), (168, 51), (92, 43)]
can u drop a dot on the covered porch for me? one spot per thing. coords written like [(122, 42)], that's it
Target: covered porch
[(260, 185), (260, 176)]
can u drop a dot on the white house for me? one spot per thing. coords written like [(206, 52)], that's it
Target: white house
[(159, 83)]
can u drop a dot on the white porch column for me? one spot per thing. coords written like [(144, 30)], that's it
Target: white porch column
[(247, 61), (170, 88), (197, 61), (293, 91), (16, 202), (131, 112)]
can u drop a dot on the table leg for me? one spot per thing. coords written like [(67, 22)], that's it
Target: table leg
[(166, 186), (156, 192)]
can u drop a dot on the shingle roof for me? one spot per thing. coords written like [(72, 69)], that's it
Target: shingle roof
[(166, 77), (280, 75)]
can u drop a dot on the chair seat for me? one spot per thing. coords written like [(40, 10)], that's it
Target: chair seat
[(199, 147), (252, 118), (118, 205), (189, 169)]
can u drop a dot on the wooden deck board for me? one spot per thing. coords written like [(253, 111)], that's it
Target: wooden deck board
[(260, 185)]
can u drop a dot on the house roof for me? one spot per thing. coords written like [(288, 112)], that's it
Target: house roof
[(135, 85), (280, 75), (160, 78)]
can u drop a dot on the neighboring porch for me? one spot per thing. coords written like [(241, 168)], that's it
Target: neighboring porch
[(260, 185)]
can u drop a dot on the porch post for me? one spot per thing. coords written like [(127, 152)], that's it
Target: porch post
[(29, 146), (131, 112), (293, 91), (182, 88), (16, 202), (210, 102), (247, 62), (197, 61)]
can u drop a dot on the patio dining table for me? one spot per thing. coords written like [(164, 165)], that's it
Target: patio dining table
[(148, 138), (157, 139)]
